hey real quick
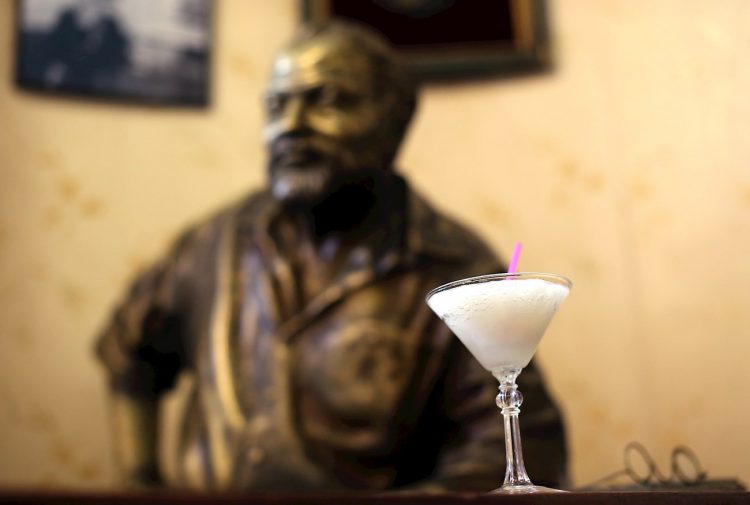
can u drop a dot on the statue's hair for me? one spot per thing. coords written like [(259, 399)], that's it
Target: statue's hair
[(392, 72)]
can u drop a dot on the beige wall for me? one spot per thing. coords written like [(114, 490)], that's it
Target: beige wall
[(626, 169)]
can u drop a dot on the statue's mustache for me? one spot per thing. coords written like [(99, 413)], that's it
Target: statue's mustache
[(299, 151)]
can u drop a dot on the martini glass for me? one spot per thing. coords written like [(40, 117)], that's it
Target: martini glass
[(501, 318)]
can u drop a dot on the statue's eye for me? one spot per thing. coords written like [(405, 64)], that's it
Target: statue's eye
[(331, 96), (275, 104)]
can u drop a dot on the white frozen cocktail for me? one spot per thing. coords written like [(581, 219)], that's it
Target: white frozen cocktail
[(501, 323), (501, 319)]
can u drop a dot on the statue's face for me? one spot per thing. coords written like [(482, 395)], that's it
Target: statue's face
[(324, 119)]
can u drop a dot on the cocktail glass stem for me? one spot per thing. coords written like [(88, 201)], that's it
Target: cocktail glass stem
[(509, 400)]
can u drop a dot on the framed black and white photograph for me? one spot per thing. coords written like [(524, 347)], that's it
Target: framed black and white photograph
[(137, 50), (452, 38)]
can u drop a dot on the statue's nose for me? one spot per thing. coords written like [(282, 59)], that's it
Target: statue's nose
[(293, 115)]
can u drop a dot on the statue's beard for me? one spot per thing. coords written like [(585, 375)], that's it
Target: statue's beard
[(306, 171), (306, 184), (302, 169)]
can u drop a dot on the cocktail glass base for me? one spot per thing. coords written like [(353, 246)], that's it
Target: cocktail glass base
[(525, 489)]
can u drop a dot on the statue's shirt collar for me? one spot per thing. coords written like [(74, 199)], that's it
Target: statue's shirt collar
[(418, 231)]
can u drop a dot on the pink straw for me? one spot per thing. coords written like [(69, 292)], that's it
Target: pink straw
[(514, 258)]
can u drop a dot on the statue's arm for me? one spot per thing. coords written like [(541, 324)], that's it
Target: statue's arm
[(141, 349)]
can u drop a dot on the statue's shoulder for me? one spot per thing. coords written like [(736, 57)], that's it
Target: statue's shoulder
[(444, 238), (206, 232)]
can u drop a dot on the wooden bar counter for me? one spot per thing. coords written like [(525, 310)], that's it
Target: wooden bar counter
[(605, 498)]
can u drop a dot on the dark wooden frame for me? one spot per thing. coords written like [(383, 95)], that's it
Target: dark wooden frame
[(35, 85), (528, 51)]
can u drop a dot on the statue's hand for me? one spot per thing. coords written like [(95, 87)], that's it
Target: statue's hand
[(134, 423), (144, 478)]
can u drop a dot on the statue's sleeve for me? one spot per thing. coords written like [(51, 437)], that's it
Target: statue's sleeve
[(473, 457), (142, 345)]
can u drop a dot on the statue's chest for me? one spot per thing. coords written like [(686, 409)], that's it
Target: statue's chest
[(352, 352), (358, 358)]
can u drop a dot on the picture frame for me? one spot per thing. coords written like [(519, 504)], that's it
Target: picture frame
[(122, 50), (452, 38)]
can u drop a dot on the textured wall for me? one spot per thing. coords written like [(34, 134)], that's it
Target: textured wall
[(626, 169)]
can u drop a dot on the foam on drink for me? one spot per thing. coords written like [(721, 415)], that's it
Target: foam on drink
[(501, 321)]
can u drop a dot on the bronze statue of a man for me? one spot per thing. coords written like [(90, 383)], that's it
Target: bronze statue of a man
[(284, 343)]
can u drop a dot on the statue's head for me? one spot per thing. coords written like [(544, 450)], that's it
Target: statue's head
[(339, 101)]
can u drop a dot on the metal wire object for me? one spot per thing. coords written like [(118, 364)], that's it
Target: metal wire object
[(640, 467)]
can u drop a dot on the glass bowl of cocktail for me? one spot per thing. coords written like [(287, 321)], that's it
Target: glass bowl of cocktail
[(501, 318)]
